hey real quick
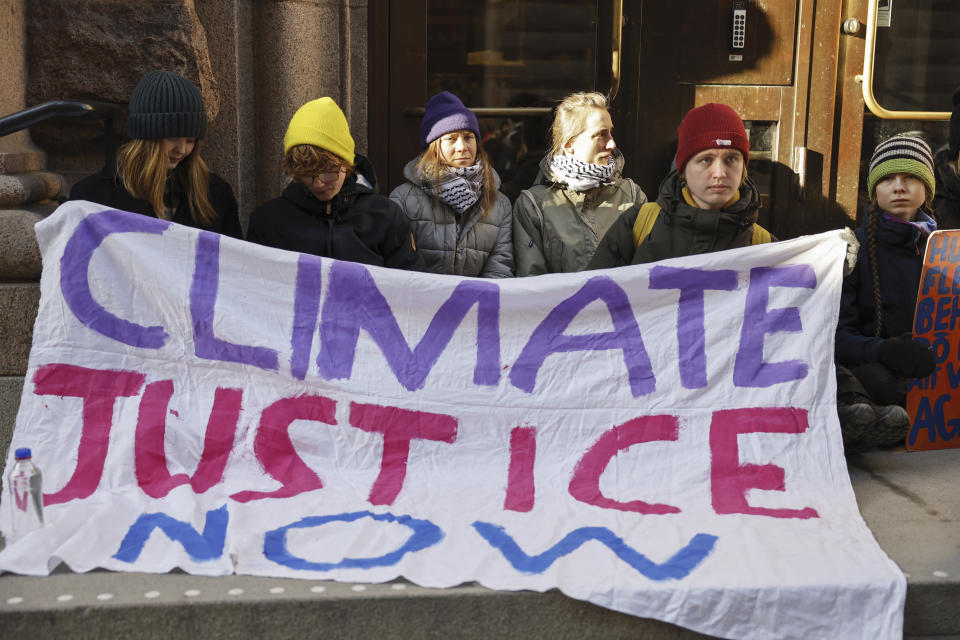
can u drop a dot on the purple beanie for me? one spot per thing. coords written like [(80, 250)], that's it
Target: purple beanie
[(445, 113)]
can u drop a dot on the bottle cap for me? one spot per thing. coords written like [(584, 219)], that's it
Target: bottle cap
[(22, 454)]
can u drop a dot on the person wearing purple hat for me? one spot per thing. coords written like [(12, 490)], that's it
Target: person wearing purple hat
[(946, 203), (461, 223), (707, 203)]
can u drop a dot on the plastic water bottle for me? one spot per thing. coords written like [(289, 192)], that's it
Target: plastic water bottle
[(25, 482)]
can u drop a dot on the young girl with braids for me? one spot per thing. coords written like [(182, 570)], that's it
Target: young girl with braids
[(159, 172), (874, 348), (461, 223)]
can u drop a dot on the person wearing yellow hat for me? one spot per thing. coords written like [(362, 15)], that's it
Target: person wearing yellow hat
[(331, 208)]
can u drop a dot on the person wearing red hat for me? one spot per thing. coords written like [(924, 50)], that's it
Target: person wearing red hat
[(707, 203)]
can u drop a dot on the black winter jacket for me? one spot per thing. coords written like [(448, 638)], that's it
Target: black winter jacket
[(900, 247), (681, 228), (946, 202), (106, 188), (356, 225)]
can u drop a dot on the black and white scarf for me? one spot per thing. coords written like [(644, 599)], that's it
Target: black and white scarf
[(580, 175), (458, 187)]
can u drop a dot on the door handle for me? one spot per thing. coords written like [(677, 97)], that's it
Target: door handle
[(866, 80), (616, 49)]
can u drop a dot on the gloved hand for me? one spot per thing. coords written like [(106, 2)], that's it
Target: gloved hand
[(907, 357)]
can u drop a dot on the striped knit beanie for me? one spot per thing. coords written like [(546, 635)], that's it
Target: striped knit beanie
[(166, 105), (901, 153)]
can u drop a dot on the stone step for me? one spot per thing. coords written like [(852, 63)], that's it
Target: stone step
[(20, 157), (19, 189)]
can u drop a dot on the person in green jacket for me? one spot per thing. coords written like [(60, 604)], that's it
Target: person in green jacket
[(578, 194), (707, 203)]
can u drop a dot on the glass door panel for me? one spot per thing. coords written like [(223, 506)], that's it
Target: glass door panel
[(511, 53)]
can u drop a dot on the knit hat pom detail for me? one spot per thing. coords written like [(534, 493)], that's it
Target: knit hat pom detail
[(710, 126), (445, 113), (902, 153), (166, 105), (321, 123)]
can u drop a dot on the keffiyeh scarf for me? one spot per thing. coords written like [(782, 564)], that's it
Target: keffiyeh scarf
[(458, 187), (579, 175)]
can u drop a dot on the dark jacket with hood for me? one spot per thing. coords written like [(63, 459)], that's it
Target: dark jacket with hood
[(681, 229), (106, 188), (900, 248), (946, 202), (356, 225)]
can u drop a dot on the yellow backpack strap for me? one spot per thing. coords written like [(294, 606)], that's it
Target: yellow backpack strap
[(646, 217), (760, 235)]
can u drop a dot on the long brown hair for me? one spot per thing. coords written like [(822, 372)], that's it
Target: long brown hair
[(142, 167), (431, 164)]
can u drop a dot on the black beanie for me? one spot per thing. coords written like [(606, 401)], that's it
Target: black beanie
[(166, 105), (955, 124)]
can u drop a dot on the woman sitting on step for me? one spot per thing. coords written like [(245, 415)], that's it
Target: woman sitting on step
[(159, 172)]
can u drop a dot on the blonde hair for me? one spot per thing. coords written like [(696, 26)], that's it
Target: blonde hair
[(570, 118), (431, 164), (308, 159), (142, 167)]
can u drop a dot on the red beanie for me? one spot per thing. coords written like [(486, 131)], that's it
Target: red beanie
[(711, 126)]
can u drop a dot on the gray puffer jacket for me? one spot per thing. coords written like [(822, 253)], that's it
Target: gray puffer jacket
[(485, 249)]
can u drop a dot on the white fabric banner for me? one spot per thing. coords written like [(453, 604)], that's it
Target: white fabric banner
[(660, 440)]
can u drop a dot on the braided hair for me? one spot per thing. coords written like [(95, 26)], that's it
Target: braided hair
[(899, 154), (873, 225)]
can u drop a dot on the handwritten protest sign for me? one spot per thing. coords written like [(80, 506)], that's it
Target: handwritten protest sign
[(661, 440), (934, 402)]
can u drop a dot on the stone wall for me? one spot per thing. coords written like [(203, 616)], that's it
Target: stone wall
[(98, 50), (255, 63), (13, 78)]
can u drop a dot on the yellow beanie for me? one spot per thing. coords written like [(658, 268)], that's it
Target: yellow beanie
[(322, 124)]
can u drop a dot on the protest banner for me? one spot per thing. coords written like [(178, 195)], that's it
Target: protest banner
[(661, 440), (934, 402)]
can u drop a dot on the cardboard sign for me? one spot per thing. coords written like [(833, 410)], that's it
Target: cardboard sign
[(934, 402), (659, 439)]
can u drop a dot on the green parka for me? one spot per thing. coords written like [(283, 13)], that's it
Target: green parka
[(557, 229)]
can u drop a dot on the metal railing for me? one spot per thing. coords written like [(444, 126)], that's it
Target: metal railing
[(106, 111)]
